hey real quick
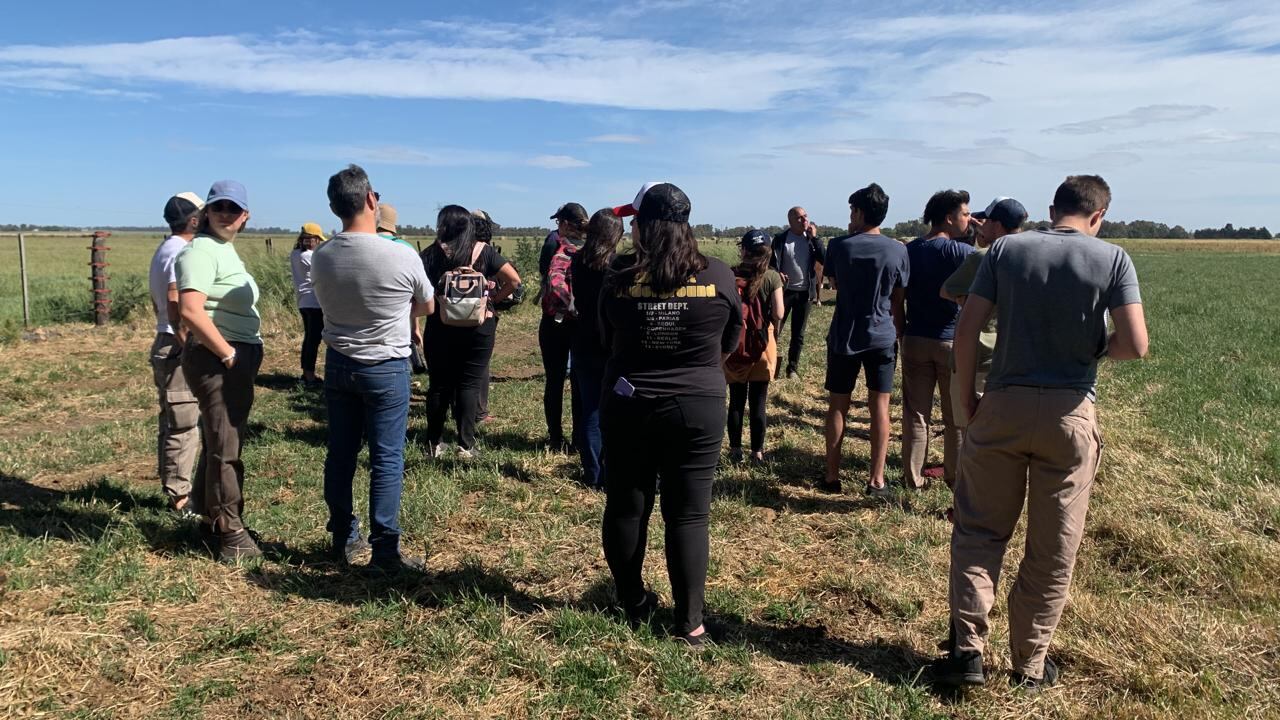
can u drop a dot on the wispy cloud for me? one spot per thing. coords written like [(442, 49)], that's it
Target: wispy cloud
[(987, 153), (556, 162), (619, 139), (1135, 118), (580, 70), (962, 99)]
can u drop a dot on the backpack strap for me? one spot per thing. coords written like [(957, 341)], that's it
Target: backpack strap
[(476, 249)]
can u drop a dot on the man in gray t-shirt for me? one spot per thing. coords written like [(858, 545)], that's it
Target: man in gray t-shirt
[(367, 288), (1033, 436)]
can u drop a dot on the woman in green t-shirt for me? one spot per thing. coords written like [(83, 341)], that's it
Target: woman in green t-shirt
[(218, 301), (748, 376)]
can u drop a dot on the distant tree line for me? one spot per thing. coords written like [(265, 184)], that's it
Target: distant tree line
[(1228, 232), (1132, 229)]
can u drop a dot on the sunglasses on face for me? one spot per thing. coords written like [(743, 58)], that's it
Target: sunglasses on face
[(225, 207)]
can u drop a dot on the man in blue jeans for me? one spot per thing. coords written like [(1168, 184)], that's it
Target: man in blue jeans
[(368, 289)]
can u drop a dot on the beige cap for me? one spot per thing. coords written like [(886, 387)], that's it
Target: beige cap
[(387, 218)]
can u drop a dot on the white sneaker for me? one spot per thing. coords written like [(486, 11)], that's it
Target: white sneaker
[(465, 454), (437, 450)]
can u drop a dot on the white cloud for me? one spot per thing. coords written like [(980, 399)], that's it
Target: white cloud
[(1135, 118), (619, 139), (556, 162), (578, 70), (962, 99)]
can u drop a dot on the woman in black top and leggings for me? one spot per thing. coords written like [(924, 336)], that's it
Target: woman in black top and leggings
[(670, 315), (458, 357), (586, 274), (555, 332)]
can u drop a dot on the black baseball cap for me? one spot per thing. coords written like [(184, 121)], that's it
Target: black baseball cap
[(658, 201), (1006, 211), (181, 206), (755, 239), (571, 211)]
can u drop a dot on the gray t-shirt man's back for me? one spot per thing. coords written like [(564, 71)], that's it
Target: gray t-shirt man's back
[(365, 286), (1052, 289)]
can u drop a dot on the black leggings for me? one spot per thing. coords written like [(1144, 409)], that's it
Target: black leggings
[(457, 363), (554, 339), (312, 326), (739, 393), (677, 439)]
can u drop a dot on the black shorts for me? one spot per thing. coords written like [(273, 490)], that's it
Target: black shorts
[(879, 364)]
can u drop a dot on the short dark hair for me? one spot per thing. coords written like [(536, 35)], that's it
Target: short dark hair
[(1082, 195), (348, 189), (872, 202), (942, 204)]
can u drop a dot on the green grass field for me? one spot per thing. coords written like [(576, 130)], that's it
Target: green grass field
[(832, 606)]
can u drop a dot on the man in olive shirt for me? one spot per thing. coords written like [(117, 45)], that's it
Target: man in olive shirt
[(1004, 216), (1034, 438)]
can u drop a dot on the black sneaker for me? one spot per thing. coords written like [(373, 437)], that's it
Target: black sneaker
[(397, 565), (349, 550), (959, 669), (792, 373), (640, 613), (880, 492), (1034, 685)]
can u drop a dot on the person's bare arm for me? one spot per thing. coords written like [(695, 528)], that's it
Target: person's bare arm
[(1129, 339), (421, 309), (897, 310), (965, 347), (200, 324), (507, 280), (174, 313), (777, 305)]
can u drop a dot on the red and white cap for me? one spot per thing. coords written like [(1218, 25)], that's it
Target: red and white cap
[(634, 207)]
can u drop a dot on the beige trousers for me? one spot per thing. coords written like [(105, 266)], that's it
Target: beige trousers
[(926, 365), (1037, 445), (178, 436)]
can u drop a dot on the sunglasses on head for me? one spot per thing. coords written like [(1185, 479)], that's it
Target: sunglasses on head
[(225, 207)]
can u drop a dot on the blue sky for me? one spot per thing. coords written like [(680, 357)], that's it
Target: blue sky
[(106, 109)]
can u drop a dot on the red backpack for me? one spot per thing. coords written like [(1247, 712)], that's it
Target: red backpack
[(755, 328), (557, 296)]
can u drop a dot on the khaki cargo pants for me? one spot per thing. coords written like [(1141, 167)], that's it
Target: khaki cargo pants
[(1041, 446), (926, 366), (178, 438)]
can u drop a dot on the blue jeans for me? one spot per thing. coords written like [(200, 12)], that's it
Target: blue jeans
[(366, 402), (588, 375)]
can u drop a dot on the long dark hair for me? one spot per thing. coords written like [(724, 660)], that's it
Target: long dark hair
[(755, 261), (603, 233), (455, 234), (666, 256)]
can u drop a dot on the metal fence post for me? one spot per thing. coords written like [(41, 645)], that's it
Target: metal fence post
[(98, 267), (22, 269)]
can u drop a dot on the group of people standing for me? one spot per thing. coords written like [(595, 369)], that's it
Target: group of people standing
[(651, 341)]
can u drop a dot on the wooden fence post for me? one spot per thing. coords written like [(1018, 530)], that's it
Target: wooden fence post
[(270, 249), (22, 269), (98, 267)]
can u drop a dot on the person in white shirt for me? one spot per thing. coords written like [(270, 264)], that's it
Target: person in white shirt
[(178, 436), (308, 306)]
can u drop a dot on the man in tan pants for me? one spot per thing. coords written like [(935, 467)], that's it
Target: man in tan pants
[(1034, 437)]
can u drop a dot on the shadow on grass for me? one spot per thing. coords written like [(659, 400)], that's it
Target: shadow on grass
[(89, 512), (893, 663), (314, 575)]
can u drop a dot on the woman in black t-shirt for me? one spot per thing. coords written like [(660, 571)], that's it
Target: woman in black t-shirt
[(559, 322), (669, 315), (586, 275), (458, 357)]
